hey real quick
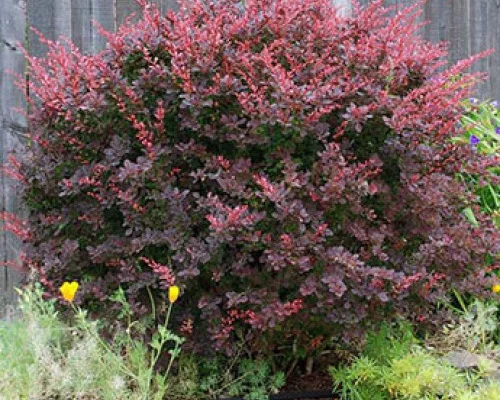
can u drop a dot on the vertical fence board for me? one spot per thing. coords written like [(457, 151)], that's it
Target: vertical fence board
[(344, 6), (480, 31), (50, 17), (104, 14), (125, 8), (12, 125), (84, 16), (170, 5), (494, 42), (81, 24)]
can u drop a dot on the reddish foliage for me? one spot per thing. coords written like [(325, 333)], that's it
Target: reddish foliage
[(287, 164)]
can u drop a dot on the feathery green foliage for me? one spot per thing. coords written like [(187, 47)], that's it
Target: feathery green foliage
[(395, 366)]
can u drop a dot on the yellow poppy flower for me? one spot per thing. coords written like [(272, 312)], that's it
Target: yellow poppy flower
[(68, 290), (173, 293), (496, 289)]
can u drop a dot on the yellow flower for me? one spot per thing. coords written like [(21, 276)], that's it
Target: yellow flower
[(496, 288), (68, 290), (173, 293)]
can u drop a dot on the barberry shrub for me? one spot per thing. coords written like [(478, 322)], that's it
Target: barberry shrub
[(290, 168)]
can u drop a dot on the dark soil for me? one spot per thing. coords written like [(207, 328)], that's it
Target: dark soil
[(317, 381)]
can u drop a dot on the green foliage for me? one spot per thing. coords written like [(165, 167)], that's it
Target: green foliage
[(42, 357), (476, 331), (256, 380), (488, 391), (221, 377), (389, 343), (482, 126), (395, 366), (420, 375), (482, 120)]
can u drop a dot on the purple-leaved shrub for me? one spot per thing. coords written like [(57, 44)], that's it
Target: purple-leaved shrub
[(291, 169)]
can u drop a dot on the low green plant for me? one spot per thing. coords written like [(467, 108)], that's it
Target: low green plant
[(395, 365), (482, 131), (42, 357), (138, 351), (221, 377), (45, 356), (198, 377), (489, 391), (475, 330), (256, 381), (421, 375)]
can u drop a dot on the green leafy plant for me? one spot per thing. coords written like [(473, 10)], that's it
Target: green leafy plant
[(256, 380), (138, 351), (475, 330), (42, 357), (482, 131), (221, 377), (45, 356), (395, 365)]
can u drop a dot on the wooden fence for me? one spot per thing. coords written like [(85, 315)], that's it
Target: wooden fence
[(469, 25)]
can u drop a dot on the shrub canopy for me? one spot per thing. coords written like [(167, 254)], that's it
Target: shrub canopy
[(288, 167)]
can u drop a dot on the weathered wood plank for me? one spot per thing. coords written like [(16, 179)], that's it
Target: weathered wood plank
[(12, 123), (494, 42), (169, 5), (104, 13), (480, 39), (50, 17), (125, 8), (13, 137), (345, 6), (84, 16)]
